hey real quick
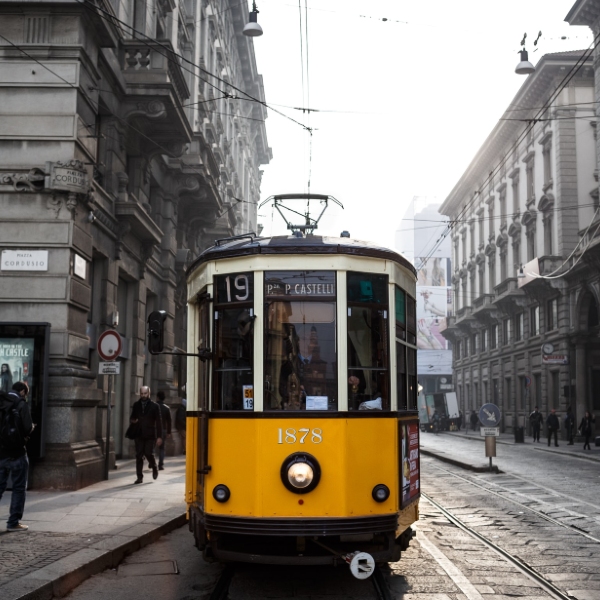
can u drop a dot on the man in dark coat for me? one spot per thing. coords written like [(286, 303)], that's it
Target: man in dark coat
[(474, 419), (165, 415), (553, 425), (536, 419), (147, 414), (14, 461)]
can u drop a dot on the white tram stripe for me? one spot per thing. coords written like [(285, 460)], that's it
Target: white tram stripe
[(453, 571)]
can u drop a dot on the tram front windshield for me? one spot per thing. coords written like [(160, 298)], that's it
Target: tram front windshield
[(300, 365)]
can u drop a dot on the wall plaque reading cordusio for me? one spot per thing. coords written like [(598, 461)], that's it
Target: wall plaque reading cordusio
[(70, 176)]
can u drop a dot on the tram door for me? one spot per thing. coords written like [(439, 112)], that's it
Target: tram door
[(204, 367)]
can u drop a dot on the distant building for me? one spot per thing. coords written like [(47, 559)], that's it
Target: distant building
[(123, 154), (420, 229), (526, 277)]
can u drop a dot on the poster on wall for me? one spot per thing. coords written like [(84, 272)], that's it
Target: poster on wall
[(16, 356), (432, 311), (433, 272), (24, 349), (410, 463)]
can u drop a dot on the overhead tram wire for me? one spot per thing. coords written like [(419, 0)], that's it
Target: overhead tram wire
[(561, 86), (310, 136), (112, 19)]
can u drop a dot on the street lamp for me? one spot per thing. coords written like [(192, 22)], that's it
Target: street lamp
[(524, 67), (252, 28)]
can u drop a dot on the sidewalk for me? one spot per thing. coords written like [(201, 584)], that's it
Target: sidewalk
[(73, 535), (472, 457)]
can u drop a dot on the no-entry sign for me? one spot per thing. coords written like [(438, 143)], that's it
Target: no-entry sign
[(110, 345)]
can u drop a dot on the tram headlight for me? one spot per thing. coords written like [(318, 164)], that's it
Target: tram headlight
[(380, 492), (221, 493), (300, 473)]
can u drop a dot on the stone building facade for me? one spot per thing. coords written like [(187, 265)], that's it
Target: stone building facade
[(526, 264), (131, 137)]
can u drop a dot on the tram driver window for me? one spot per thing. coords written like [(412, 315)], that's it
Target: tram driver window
[(368, 369), (300, 343), (234, 342)]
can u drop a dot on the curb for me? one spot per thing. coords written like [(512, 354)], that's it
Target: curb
[(462, 465), (56, 580)]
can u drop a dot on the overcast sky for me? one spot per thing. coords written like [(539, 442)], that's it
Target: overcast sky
[(406, 103)]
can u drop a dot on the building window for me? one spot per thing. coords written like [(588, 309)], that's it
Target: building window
[(457, 349), (503, 207), (494, 336), (519, 319), (484, 340), (481, 229), (517, 256), (515, 193), (534, 320), (463, 241), (530, 244), (492, 272), (506, 332), (482, 279), (530, 182), (503, 266), (465, 299), (472, 236), (552, 314), (548, 235), (474, 344)]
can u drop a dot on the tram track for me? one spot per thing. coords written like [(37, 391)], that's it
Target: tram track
[(518, 563), (538, 513), (221, 589)]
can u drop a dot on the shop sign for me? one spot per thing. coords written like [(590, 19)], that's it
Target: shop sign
[(24, 260), (555, 359)]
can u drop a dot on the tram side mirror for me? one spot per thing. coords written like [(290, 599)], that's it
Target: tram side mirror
[(156, 331)]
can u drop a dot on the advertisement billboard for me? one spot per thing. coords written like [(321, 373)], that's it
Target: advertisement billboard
[(24, 357), (409, 462)]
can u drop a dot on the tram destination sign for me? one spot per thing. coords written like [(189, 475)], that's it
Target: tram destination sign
[(305, 284)]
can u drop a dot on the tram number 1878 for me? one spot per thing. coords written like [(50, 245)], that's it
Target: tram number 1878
[(293, 436)]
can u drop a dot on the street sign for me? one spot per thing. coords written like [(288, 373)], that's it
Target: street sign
[(493, 431), (489, 415), (110, 345), (109, 368)]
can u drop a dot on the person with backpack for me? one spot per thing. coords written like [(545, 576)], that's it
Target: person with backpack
[(15, 428)]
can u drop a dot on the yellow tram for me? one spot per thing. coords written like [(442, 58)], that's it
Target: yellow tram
[(302, 423)]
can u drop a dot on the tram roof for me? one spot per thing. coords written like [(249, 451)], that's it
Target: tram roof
[(289, 244)]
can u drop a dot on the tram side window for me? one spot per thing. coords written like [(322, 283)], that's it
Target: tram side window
[(300, 341), (401, 376), (368, 334), (234, 342), (400, 314), (411, 320), (411, 366)]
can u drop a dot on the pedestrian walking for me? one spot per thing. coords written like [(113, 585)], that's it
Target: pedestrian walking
[(570, 425), (553, 425), (585, 428), (165, 415), (146, 415), (180, 422), (15, 428), (459, 421), (536, 419), (474, 419)]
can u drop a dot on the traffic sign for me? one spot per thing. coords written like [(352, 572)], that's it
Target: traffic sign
[(489, 415), (110, 345), (109, 368)]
